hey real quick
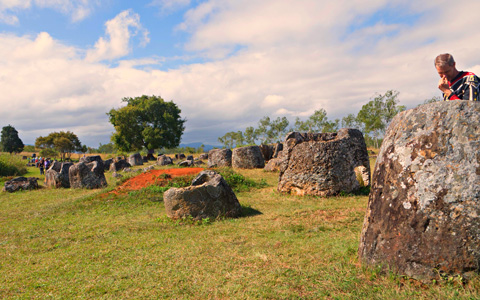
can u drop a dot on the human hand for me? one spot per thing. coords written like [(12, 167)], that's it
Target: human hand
[(443, 84)]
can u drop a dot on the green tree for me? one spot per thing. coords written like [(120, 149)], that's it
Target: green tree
[(269, 131), (376, 115), (106, 148), (317, 122), (432, 100), (146, 121), (232, 139), (10, 142), (250, 135), (63, 142)]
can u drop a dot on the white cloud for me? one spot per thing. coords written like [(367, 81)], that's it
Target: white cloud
[(119, 30), (167, 6), (77, 9), (289, 58)]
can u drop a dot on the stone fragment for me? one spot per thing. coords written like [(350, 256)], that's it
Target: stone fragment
[(423, 215), (20, 183), (220, 158), (249, 157), (87, 175), (57, 175), (135, 159), (267, 151), (91, 158), (119, 164), (163, 160), (323, 164), (209, 196)]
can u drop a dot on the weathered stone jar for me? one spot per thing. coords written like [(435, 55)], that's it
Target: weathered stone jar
[(323, 164), (423, 215)]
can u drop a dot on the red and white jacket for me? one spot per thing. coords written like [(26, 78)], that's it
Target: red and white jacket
[(465, 86)]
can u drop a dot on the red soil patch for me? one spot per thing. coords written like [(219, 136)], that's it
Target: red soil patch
[(146, 179)]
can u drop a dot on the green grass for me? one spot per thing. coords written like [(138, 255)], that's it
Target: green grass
[(12, 165), (85, 244)]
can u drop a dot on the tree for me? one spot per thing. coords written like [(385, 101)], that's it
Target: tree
[(271, 131), (376, 115), (106, 148), (10, 142), (146, 121), (63, 142), (317, 122), (232, 139)]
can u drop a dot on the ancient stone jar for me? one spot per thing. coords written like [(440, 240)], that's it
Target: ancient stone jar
[(57, 175), (220, 158), (423, 215), (324, 164), (20, 183), (135, 159), (87, 175), (209, 196), (119, 164), (163, 160), (91, 158), (247, 158)]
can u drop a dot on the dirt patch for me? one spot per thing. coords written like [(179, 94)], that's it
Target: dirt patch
[(151, 177)]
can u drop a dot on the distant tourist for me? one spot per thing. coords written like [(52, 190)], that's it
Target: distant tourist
[(454, 84)]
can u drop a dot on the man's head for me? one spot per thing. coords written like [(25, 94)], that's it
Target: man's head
[(445, 65)]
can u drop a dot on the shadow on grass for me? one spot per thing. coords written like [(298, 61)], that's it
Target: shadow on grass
[(247, 211)]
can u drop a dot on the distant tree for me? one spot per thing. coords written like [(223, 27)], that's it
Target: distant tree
[(48, 152), (10, 142), (269, 131), (63, 142), (106, 148), (232, 139), (317, 122), (432, 100), (376, 115), (146, 121), (29, 148), (250, 135)]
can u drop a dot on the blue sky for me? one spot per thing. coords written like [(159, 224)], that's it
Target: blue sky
[(226, 63)]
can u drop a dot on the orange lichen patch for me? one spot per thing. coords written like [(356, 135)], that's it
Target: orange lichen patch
[(151, 177)]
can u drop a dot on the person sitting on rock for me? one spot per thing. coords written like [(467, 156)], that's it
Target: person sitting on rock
[(454, 84)]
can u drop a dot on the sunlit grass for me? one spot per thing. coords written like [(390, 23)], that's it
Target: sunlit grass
[(67, 243)]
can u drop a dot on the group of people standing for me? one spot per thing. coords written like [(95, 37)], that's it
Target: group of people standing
[(42, 163)]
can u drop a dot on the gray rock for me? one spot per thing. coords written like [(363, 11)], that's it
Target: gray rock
[(20, 183), (164, 160), (107, 163), (323, 164), (273, 165), (57, 175), (87, 175), (91, 158), (267, 151), (135, 159), (203, 156), (277, 150), (248, 158), (209, 197), (423, 215), (220, 158), (186, 163), (118, 165)]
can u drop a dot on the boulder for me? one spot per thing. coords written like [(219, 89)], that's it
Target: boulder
[(118, 165), (107, 163), (20, 183), (57, 175), (190, 157), (164, 160), (273, 165), (87, 159), (180, 156), (87, 175), (203, 156), (186, 163), (247, 158), (267, 151), (209, 196), (220, 158), (135, 159), (423, 215), (323, 164), (277, 149)]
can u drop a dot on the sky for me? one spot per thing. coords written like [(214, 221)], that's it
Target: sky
[(226, 63)]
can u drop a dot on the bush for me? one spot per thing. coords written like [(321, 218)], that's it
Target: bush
[(11, 165)]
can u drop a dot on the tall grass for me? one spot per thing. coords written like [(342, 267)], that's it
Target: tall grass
[(12, 165)]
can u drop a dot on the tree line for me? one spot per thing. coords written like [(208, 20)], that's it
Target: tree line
[(372, 119)]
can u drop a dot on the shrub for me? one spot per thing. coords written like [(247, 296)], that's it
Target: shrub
[(11, 165)]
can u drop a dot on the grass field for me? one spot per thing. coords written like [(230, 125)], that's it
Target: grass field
[(87, 244)]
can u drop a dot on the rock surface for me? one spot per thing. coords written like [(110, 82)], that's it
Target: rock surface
[(135, 159), (423, 215), (209, 196), (87, 175), (118, 165), (20, 183), (323, 164), (164, 160), (248, 158), (220, 158), (57, 175)]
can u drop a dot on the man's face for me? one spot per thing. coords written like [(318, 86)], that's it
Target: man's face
[(448, 71)]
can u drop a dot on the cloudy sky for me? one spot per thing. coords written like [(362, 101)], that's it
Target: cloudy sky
[(225, 63)]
